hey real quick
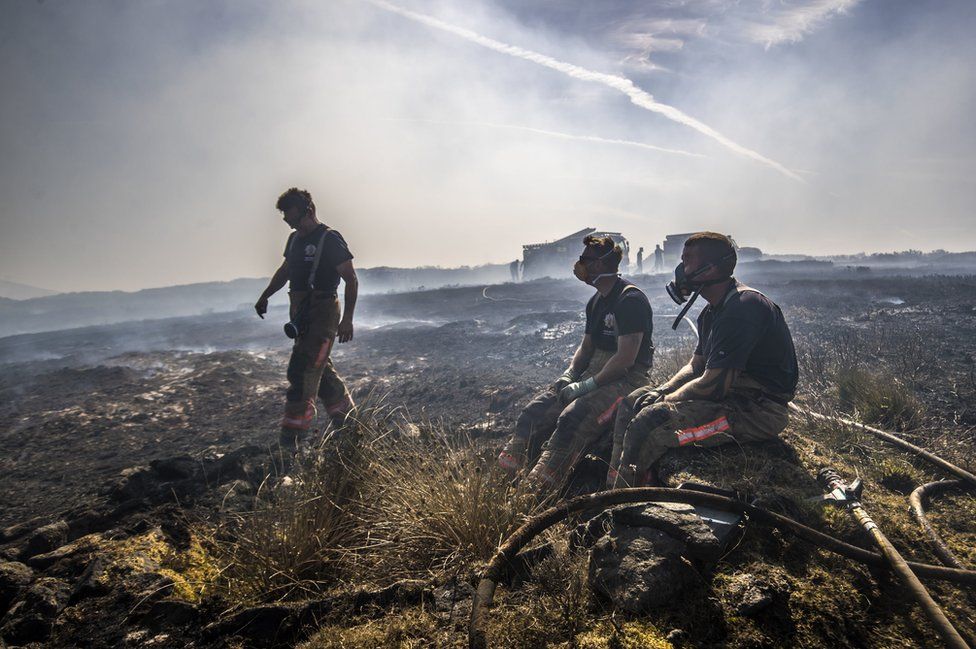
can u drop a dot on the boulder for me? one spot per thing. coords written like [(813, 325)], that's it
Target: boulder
[(639, 568), (14, 578), (649, 554), (46, 538), (31, 617)]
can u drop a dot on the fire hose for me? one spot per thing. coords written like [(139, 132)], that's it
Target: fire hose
[(507, 552), (917, 501), (849, 497)]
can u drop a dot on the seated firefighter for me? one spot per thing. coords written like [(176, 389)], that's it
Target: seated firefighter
[(613, 359), (737, 385)]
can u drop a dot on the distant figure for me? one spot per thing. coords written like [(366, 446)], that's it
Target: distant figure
[(737, 386), (316, 257), (640, 260), (612, 360), (658, 259), (513, 268)]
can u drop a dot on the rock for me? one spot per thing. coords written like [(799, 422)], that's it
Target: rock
[(93, 581), (262, 625), (68, 550), (677, 520), (639, 568), (46, 538), (237, 497), (751, 594), (31, 617), (648, 553), (14, 578), (447, 596), (677, 636), (180, 467), (170, 613)]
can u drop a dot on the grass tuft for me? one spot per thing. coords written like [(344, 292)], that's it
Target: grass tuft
[(878, 399)]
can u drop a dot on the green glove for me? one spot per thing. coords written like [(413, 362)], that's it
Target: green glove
[(575, 390), (569, 376)]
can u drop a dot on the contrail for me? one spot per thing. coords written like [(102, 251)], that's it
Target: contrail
[(621, 84), (557, 134)]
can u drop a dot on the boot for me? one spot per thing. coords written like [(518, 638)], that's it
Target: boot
[(513, 455)]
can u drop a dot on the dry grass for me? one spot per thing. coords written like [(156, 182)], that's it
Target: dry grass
[(404, 501), (437, 505), (879, 399), (298, 541)]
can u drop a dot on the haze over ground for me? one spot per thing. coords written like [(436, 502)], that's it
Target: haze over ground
[(143, 144)]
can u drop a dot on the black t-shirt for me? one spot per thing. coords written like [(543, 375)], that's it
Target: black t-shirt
[(300, 254), (618, 314), (747, 332)]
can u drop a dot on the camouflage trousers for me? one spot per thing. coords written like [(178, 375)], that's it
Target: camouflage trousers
[(310, 369), (746, 414), (570, 429)]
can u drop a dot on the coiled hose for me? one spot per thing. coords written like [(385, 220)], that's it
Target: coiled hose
[(917, 502)]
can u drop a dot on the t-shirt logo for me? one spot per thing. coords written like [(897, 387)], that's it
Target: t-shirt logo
[(310, 250), (609, 322)]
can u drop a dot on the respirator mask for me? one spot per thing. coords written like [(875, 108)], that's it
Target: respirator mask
[(582, 273), (298, 325), (684, 287)]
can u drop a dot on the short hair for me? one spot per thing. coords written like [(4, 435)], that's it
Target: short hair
[(294, 197), (601, 246), (716, 248)]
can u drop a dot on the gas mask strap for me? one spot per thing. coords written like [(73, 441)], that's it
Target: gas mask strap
[(684, 311), (593, 281)]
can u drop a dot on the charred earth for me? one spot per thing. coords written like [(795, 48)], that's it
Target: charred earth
[(143, 500)]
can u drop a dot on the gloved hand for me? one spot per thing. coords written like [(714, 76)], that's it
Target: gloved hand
[(569, 376), (646, 399), (575, 390)]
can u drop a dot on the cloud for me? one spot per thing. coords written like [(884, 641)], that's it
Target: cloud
[(565, 136), (636, 95), (793, 23)]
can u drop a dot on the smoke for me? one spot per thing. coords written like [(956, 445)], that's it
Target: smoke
[(624, 85), (558, 135)]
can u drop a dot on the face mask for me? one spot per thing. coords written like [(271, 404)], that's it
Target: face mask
[(580, 270), (684, 285)]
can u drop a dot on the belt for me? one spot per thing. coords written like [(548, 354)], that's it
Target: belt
[(778, 398)]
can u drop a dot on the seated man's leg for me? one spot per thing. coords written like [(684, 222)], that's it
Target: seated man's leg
[(625, 413), (580, 424), (536, 419), (664, 426)]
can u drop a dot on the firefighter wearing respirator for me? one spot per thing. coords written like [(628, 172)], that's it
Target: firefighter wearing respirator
[(612, 360), (737, 385)]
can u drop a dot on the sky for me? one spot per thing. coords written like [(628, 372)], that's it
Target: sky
[(144, 143)]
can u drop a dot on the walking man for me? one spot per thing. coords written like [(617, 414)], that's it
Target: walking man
[(613, 359), (737, 385), (315, 258)]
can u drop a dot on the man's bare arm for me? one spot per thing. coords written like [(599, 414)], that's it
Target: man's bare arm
[(583, 356), (627, 347), (278, 280), (348, 275), (690, 372), (713, 385)]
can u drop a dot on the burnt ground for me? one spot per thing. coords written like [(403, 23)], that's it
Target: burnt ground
[(78, 407)]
